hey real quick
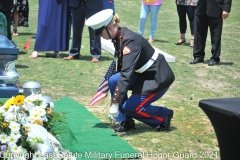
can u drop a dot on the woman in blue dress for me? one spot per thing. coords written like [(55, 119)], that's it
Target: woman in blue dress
[(53, 32)]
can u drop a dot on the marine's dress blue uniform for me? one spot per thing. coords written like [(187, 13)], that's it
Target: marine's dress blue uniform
[(146, 87)]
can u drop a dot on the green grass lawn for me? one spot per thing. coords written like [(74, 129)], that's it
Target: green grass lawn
[(191, 131)]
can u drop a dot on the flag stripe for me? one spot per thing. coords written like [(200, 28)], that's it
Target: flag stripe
[(103, 88), (99, 98)]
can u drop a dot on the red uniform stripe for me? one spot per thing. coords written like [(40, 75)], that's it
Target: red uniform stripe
[(145, 114)]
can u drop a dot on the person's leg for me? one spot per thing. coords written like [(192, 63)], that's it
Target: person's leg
[(140, 107), (191, 15), (95, 41), (143, 17), (181, 9), (200, 36), (95, 46), (16, 20), (215, 25), (57, 55), (78, 20), (154, 10)]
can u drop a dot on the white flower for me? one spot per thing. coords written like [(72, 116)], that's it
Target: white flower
[(44, 105), (34, 115), (13, 109), (3, 138), (16, 149), (28, 106), (15, 134), (37, 97), (28, 120), (9, 117), (2, 110), (29, 99), (41, 111), (11, 140), (14, 126)]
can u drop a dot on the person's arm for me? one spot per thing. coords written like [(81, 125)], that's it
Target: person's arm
[(226, 8), (131, 54)]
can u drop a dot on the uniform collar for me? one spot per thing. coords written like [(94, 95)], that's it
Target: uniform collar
[(118, 36)]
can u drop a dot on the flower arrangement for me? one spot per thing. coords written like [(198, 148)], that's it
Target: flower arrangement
[(27, 128)]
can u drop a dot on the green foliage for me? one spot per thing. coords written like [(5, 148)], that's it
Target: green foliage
[(54, 125), (33, 141), (2, 102)]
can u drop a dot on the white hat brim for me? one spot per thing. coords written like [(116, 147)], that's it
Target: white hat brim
[(100, 19)]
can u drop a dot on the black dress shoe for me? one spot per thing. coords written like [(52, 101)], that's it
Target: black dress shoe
[(167, 122), (212, 62), (196, 60), (125, 126)]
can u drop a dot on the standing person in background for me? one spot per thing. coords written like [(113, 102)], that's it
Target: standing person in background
[(5, 8), (53, 31), (209, 14), (140, 69), (186, 7), (20, 14), (81, 10), (152, 7)]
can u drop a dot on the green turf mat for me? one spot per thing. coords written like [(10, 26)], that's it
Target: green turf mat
[(87, 136)]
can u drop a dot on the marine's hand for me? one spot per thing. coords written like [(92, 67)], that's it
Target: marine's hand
[(113, 112)]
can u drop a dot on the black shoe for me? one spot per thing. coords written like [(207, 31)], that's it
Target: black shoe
[(167, 122), (180, 41), (212, 62), (196, 60), (125, 126)]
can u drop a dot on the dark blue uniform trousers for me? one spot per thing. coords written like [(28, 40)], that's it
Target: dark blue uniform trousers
[(139, 106)]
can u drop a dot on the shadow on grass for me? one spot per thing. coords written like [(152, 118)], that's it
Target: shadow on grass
[(220, 63), (84, 58), (21, 52), (187, 44), (89, 58), (27, 34), (21, 66), (100, 125), (140, 128), (160, 41)]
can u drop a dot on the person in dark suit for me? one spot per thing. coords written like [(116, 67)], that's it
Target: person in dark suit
[(5, 8), (209, 13), (141, 70), (81, 10)]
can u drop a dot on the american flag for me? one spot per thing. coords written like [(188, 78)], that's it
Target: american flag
[(103, 88)]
